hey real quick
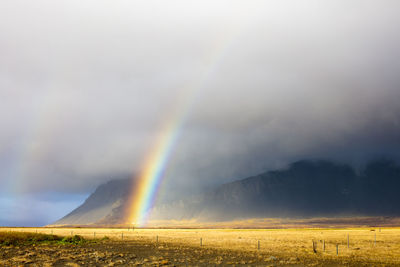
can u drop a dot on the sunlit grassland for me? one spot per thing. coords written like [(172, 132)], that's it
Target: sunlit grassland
[(16, 238), (369, 245)]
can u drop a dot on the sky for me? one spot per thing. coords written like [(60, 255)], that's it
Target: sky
[(86, 87)]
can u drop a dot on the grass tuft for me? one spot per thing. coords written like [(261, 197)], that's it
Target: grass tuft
[(76, 240), (23, 238)]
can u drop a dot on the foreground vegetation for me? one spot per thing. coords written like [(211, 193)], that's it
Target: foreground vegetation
[(203, 247), (27, 238)]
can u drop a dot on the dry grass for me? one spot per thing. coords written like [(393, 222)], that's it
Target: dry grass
[(280, 243), (24, 238), (15, 238)]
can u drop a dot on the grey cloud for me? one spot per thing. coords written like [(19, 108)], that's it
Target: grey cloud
[(86, 87)]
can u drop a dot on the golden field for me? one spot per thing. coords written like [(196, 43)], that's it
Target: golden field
[(356, 246)]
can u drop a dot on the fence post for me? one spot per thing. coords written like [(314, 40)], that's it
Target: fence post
[(94, 234), (324, 244), (375, 240), (201, 242), (157, 239), (258, 245), (337, 249), (348, 241), (313, 247)]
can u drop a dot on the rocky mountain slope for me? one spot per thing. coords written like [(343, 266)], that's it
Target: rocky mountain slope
[(104, 204), (304, 189)]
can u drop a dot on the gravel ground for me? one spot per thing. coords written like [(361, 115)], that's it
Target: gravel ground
[(132, 253)]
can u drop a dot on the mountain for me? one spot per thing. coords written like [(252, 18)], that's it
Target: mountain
[(304, 189), (105, 204)]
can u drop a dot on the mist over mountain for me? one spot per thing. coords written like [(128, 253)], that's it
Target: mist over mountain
[(105, 202), (304, 189)]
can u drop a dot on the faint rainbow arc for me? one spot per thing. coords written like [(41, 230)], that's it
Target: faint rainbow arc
[(26, 150)]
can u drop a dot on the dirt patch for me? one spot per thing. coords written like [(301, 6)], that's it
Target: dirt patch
[(136, 253), (163, 247)]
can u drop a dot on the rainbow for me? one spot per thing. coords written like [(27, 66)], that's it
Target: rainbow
[(149, 180), (27, 152), (145, 188)]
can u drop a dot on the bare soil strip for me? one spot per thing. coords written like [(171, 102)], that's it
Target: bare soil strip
[(201, 247)]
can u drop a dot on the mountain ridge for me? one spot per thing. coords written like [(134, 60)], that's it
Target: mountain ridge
[(305, 188)]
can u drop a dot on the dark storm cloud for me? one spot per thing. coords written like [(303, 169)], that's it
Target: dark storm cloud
[(86, 87)]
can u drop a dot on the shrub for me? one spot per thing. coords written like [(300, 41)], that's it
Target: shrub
[(22, 238), (76, 239)]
